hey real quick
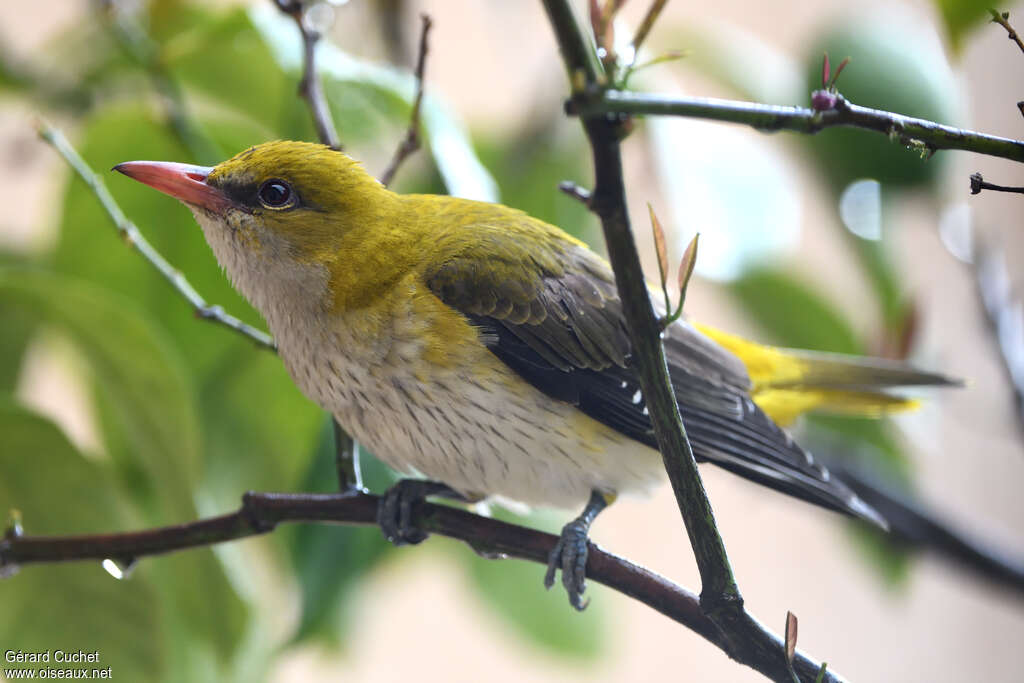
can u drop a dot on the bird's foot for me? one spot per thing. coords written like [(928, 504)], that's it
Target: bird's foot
[(570, 552), (394, 511), (570, 555)]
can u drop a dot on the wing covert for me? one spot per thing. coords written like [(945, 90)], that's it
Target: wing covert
[(548, 308)]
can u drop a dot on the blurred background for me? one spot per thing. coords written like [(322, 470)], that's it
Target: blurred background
[(119, 410)]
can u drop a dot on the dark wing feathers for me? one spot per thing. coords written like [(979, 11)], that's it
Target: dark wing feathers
[(551, 312)]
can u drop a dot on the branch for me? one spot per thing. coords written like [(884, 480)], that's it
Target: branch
[(133, 238), (310, 87), (346, 460), (411, 142), (580, 194), (1003, 309), (1005, 314), (913, 132), (978, 184), (745, 639), (262, 512), (1003, 19)]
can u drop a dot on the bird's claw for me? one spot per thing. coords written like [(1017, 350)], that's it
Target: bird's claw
[(394, 511), (570, 555)]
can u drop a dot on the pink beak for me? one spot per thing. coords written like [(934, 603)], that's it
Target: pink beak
[(181, 181)]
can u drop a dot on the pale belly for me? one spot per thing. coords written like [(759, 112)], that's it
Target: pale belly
[(483, 431)]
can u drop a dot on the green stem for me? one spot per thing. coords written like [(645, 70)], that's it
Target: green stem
[(906, 129), (744, 638), (130, 233)]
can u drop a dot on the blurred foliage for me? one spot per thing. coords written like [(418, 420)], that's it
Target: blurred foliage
[(896, 69), (538, 158), (138, 374), (329, 561), (545, 618), (794, 315), (37, 467), (960, 16), (18, 328), (187, 411), (191, 415), (514, 590)]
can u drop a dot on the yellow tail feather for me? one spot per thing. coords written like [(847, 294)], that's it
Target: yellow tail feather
[(784, 406), (787, 382)]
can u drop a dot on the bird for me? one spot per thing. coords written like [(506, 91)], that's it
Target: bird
[(484, 353)]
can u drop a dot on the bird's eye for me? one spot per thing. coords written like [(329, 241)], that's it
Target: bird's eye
[(275, 194)]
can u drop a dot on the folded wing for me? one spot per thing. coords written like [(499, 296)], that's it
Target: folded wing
[(548, 308)]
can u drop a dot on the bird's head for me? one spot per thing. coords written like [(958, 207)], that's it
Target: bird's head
[(278, 211)]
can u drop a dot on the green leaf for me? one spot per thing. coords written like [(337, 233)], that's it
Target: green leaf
[(256, 416), (544, 618), (358, 88), (15, 334), (889, 559), (796, 316), (134, 368), (877, 447), (90, 248), (226, 60), (249, 61), (874, 448), (14, 337), (142, 379), (529, 166), (70, 606), (877, 262), (515, 590), (252, 410), (332, 561), (861, 207), (792, 313), (960, 16), (740, 60)]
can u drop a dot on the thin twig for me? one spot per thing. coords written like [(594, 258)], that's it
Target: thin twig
[(653, 12), (346, 460), (261, 512), (578, 193), (310, 87), (720, 599), (647, 23), (1004, 312), (978, 184), (134, 238), (411, 142), (1003, 19), (927, 136)]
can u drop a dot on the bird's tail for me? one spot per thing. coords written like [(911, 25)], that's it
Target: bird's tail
[(789, 382)]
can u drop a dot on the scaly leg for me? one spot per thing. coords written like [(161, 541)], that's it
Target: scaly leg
[(570, 553)]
